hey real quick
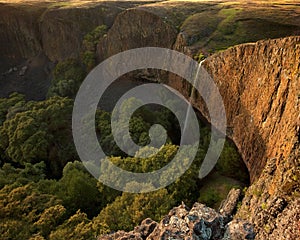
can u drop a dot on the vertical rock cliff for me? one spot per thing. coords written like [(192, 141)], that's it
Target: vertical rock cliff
[(136, 28), (260, 86), (62, 29), (19, 33)]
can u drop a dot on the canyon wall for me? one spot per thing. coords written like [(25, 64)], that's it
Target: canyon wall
[(62, 30), (135, 28), (55, 29), (260, 86), (258, 82), (19, 33)]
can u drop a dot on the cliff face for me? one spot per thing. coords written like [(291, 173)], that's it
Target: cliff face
[(260, 86), (56, 29), (63, 29), (136, 28), (19, 36)]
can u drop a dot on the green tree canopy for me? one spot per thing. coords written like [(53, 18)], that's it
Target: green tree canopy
[(41, 132)]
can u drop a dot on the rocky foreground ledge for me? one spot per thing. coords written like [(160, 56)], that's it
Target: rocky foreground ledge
[(200, 222)]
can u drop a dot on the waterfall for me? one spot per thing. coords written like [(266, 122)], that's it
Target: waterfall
[(192, 94)]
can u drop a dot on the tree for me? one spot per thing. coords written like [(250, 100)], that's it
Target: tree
[(89, 45), (49, 219), (130, 209), (10, 105), (21, 176), (41, 132), (20, 208), (77, 227), (78, 190), (67, 77)]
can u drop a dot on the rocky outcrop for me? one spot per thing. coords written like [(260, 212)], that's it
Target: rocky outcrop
[(140, 232), (135, 28), (199, 223), (228, 206)]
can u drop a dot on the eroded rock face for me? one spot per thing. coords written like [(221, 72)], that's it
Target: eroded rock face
[(19, 33), (55, 29), (135, 28), (260, 85), (63, 29), (228, 206)]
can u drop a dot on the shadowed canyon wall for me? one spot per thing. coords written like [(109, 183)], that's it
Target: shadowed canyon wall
[(56, 29)]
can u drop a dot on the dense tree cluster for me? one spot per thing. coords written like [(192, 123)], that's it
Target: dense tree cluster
[(37, 131), (46, 194)]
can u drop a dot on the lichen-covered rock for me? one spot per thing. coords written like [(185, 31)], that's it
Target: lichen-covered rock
[(228, 206), (146, 228), (239, 230), (140, 232), (199, 223), (121, 235)]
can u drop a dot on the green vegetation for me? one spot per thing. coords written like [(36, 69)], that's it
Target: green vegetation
[(215, 188), (67, 77), (38, 131), (46, 194), (228, 24), (69, 74), (89, 44)]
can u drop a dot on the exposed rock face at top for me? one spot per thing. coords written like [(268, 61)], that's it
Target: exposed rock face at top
[(62, 30), (135, 28), (19, 30), (260, 85), (28, 29)]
